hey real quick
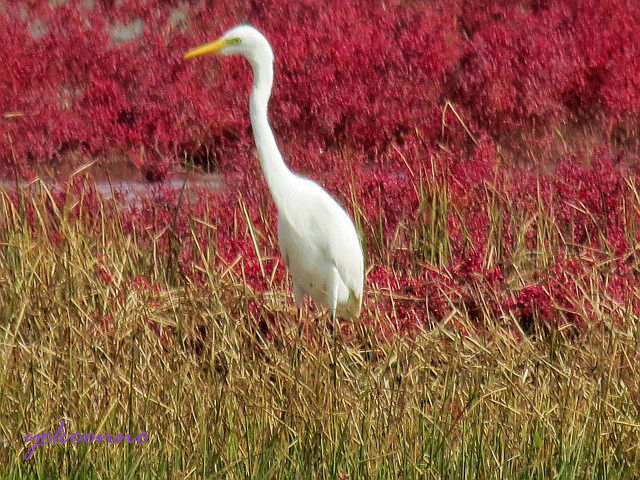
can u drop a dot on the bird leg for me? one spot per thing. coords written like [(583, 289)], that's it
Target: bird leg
[(298, 343), (300, 325), (334, 332), (332, 312)]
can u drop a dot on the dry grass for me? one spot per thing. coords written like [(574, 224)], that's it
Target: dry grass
[(188, 365)]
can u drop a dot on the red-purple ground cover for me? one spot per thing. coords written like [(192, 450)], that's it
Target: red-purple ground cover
[(488, 149)]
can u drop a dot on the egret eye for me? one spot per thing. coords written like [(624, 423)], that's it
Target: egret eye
[(233, 41)]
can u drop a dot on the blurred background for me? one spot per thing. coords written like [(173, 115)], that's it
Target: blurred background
[(405, 110), (105, 79)]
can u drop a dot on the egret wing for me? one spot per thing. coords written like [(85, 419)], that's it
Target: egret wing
[(324, 225), (340, 241)]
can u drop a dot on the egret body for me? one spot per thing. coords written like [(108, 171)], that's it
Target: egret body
[(317, 239)]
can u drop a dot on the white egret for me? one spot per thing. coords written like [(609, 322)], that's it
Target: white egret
[(317, 238)]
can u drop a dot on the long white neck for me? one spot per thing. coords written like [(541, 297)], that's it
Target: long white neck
[(278, 176)]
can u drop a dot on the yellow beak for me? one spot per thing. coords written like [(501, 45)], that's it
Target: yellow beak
[(205, 49)]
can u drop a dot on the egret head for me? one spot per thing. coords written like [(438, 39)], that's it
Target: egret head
[(242, 40)]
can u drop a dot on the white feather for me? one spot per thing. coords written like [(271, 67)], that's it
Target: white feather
[(317, 238)]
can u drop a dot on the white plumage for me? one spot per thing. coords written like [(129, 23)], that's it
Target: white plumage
[(317, 238)]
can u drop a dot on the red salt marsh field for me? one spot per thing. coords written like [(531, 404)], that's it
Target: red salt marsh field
[(488, 153)]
